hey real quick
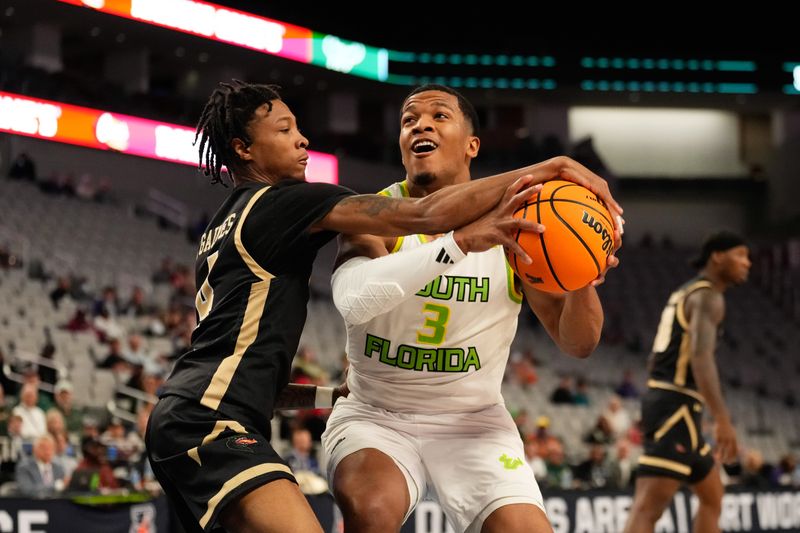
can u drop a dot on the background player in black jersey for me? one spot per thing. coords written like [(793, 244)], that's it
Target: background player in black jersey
[(684, 377), (208, 437)]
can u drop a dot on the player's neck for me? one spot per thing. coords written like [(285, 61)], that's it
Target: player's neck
[(417, 190), (717, 281)]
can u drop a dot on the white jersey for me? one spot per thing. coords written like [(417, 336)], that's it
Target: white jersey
[(444, 349)]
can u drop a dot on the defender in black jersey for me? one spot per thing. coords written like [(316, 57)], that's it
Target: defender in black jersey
[(683, 379), (208, 437)]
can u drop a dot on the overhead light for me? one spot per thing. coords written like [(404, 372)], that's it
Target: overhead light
[(120, 38), (180, 51), (95, 31), (9, 11), (203, 57)]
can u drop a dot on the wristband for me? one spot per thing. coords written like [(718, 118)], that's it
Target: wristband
[(324, 397)]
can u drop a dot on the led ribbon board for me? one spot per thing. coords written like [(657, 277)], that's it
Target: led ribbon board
[(103, 130), (264, 35)]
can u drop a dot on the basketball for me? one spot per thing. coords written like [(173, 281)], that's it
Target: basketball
[(576, 243)]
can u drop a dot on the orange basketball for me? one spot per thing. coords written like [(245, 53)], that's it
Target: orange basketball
[(576, 243)]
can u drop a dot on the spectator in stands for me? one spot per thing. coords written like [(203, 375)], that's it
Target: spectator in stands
[(102, 194), (48, 373), (85, 189), (73, 416), (115, 360), (622, 466), (61, 291), (117, 441), (164, 272), (40, 475), (107, 302), (581, 396), (11, 448), (601, 433), (756, 474), (522, 368), (542, 435), (94, 472), (30, 376), (783, 474), (55, 422), (306, 363), (34, 424), (301, 457), (65, 455), (595, 471), (136, 353), (618, 418), (78, 322), (136, 307), (535, 461), (559, 473), (141, 473), (627, 388), (563, 393), (22, 168)]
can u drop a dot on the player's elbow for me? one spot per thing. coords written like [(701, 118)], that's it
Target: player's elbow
[(579, 350)]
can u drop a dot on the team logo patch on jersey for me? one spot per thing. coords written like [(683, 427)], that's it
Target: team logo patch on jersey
[(241, 443), (510, 463)]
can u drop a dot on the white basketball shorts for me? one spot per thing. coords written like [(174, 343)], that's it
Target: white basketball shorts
[(471, 463)]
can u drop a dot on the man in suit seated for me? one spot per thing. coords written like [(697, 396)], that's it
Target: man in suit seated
[(40, 475)]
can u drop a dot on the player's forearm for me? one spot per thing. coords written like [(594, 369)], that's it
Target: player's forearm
[(707, 378), (456, 206), (581, 322)]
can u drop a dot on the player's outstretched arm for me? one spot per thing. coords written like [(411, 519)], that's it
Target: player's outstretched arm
[(375, 282), (573, 320), (706, 309), (302, 396), (451, 207)]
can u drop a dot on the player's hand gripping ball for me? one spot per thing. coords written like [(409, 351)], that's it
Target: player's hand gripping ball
[(576, 243)]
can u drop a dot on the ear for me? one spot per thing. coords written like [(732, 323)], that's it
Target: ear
[(241, 149), (473, 146)]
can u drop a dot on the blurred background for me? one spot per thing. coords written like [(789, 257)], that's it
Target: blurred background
[(101, 207)]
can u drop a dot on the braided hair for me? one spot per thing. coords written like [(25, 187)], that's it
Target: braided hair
[(225, 117)]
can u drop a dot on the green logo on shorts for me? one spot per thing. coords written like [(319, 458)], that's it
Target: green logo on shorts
[(510, 463)]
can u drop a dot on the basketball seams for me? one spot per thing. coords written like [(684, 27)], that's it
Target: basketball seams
[(575, 233), (544, 251), (568, 201)]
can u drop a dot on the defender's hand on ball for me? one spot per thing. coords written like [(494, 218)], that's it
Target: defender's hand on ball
[(499, 226)]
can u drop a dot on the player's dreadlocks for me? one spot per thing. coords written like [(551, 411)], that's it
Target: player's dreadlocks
[(225, 116)]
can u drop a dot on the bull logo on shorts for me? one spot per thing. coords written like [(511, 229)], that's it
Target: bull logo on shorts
[(241, 443)]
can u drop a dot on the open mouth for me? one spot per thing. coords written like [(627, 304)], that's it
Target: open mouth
[(423, 146)]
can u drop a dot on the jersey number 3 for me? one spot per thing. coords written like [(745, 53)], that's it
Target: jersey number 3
[(205, 296), (435, 327)]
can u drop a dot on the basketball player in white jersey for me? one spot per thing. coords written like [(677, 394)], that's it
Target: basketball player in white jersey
[(429, 331)]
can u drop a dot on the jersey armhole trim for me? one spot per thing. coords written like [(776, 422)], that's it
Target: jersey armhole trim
[(680, 313), (251, 263), (513, 294)]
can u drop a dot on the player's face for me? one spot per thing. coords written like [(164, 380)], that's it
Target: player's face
[(278, 149), (736, 263), (435, 138)]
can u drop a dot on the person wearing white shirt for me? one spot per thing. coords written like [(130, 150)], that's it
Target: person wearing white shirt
[(34, 423)]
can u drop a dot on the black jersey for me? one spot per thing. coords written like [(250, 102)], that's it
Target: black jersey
[(670, 361), (252, 272)]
